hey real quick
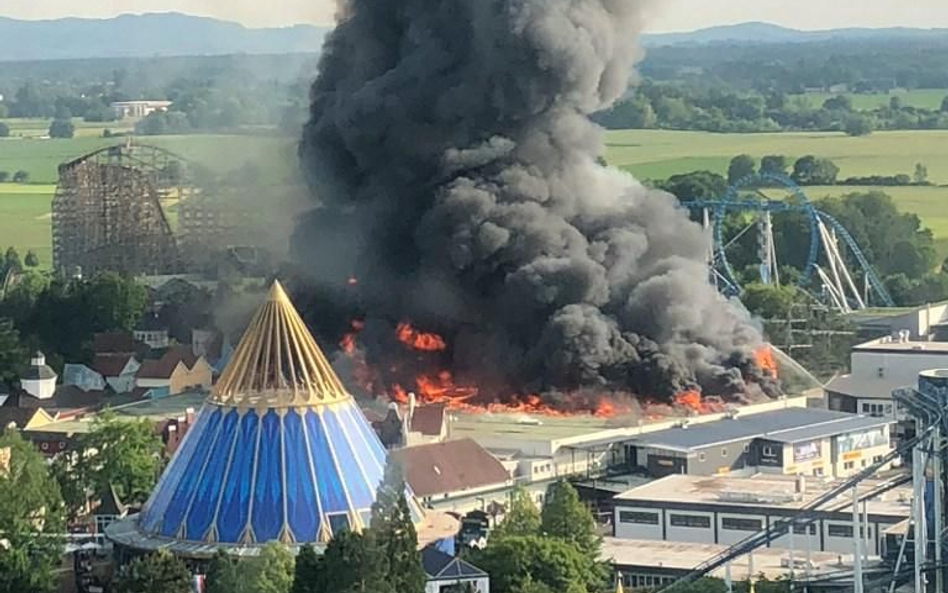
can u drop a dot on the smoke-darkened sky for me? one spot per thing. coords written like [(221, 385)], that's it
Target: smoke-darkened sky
[(674, 15)]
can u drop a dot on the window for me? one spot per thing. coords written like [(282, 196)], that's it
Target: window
[(747, 447), (640, 518), (840, 531), (769, 451), (849, 465), (818, 471), (738, 524), (877, 459), (702, 457), (724, 452), (803, 529), (694, 521)]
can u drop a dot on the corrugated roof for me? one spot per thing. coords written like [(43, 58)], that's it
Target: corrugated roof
[(740, 428), (452, 466), (820, 431), (862, 387)]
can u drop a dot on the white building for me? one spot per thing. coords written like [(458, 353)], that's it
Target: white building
[(39, 380), (726, 510), (880, 367), (138, 109)]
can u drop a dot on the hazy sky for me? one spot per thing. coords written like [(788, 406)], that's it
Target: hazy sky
[(671, 15)]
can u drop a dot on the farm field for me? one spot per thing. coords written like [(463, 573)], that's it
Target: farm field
[(657, 154)]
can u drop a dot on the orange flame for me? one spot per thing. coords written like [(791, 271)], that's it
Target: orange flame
[(348, 341), (766, 361), (690, 400), (417, 340)]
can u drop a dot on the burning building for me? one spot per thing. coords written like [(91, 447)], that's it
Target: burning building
[(466, 223), (108, 211)]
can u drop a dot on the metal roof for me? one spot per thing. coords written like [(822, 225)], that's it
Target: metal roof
[(864, 387), (740, 429), (820, 431)]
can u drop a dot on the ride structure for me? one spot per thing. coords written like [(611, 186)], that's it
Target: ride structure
[(828, 272)]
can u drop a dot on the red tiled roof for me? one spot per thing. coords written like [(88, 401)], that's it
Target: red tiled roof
[(164, 367), (110, 365), (452, 466), (114, 343), (428, 420)]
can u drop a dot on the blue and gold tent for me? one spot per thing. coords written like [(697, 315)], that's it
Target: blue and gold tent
[(280, 450)]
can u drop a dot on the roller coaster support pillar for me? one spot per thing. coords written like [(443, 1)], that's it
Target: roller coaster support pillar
[(938, 484), (920, 530), (857, 543)]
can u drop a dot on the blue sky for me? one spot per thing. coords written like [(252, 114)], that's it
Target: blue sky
[(669, 15)]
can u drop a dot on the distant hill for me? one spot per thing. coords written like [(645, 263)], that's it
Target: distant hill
[(756, 33), (149, 35)]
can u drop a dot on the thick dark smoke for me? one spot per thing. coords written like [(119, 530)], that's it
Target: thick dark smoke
[(456, 166)]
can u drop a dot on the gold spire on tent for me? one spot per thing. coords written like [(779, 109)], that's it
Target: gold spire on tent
[(277, 363)]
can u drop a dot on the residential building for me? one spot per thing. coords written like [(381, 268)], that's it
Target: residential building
[(177, 371), (725, 510), (117, 370), (39, 380), (138, 109), (23, 418), (447, 573), (153, 331), (458, 476)]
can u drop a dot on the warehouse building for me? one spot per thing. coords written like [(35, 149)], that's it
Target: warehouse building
[(725, 510)]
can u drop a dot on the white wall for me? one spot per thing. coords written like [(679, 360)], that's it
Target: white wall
[(480, 585), (696, 535), (642, 531), (898, 369), (42, 388)]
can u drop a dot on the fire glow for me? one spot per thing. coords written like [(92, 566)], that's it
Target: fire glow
[(440, 386)]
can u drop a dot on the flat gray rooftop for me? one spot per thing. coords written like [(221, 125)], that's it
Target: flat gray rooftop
[(766, 424), (828, 429)]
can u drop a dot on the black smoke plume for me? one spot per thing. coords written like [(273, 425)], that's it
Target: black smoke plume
[(458, 179)]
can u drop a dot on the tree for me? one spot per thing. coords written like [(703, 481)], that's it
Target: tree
[(895, 103), (31, 520), (12, 353), (769, 301), (394, 529), (515, 562), (741, 166), (838, 103), (522, 517), (810, 170), (920, 177), (11, 261), (775, 164), (119, 453), (161, 572), (565, 517), (271, 571), (62, 128), (4, 130), (31, 260), (944, 105), (306, 574), (21, 176), (699, 185), (858, 125), (223, 575), (4, 176), (113, 302)]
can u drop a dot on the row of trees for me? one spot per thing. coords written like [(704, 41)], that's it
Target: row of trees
[(61, 317), (680, 106), (19, 176)]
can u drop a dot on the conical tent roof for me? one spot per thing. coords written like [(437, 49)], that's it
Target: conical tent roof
[(280, 450)]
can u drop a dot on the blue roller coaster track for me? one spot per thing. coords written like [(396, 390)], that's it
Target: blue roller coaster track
[(739, 199)]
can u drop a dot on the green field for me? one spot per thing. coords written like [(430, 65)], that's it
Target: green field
[(24, 219), (38, 128), (657, 154), (25, 209), (920, 98)]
